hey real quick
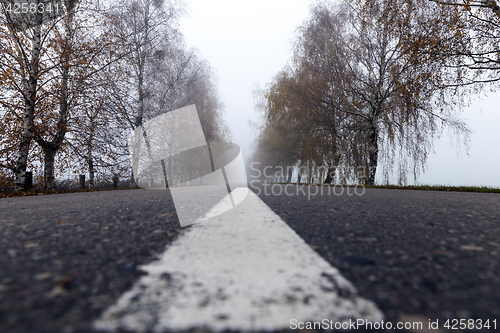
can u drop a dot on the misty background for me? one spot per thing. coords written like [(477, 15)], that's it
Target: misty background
[(247, 43)]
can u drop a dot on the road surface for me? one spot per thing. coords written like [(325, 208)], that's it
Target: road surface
[(69, 261)]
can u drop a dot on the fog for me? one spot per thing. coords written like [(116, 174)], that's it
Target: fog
[(247, 43)]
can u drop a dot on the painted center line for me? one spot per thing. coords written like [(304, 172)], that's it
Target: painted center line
[(244, 270)]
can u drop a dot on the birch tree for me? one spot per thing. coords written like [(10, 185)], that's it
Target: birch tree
[(370, 91), (64, 44), (82, 48), (64, 53), (161, 74), (24, 71), (76, 86), (477, 27), (147, 24)]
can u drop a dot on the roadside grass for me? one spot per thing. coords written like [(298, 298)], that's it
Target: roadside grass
[(478, 189), (481, 189), (4, 194)]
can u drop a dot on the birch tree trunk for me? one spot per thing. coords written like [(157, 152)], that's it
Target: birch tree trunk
[(290, 172), (30, 92), (373, 154), (90, 162), (332, 168), (48, 171), (51, 148), (91, 172)]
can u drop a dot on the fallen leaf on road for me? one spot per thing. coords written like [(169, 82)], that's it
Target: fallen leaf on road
[(42, 276), (471, 248), (64, 281), (57, 291)]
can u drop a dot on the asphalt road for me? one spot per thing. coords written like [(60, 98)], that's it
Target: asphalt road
[(427, 253), (65, 258)]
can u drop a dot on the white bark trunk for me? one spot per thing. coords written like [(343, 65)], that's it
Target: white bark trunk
[(30, 91)]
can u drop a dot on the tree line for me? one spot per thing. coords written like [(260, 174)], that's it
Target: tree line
[(72, 88), (375, 82)]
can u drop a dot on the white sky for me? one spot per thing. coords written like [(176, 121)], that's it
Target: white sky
[(248, 42)]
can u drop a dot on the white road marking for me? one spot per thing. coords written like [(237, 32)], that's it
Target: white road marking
[(227, 203), (244, 270)]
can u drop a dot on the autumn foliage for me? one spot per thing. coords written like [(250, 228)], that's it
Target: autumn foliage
[(374, 83), (72, 88)]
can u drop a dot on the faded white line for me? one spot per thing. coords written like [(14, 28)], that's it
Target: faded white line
[(244, 270)]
